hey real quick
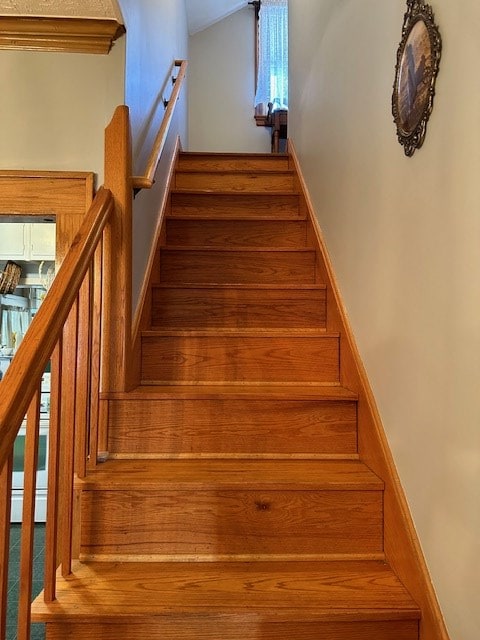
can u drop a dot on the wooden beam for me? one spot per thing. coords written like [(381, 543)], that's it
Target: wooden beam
[(67, 35)]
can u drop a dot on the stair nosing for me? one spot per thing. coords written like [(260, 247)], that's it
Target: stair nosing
[(160, 474), (237, 249), (288, 392), (291, 332), (225, 217), (242, 286), (224, 192), (306, 457), (233, 154), (244, 171), (204, 558)]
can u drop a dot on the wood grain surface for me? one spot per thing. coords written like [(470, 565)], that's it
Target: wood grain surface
[(240, 306), (234, 205), (248, 266), (240, 357), (205, 426), (328, 591), (238, 232)]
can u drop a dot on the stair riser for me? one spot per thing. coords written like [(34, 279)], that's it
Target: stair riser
[(216, 523), (205, 162), (216, 181), (235, 427), (191, 308), (237, 267), (236, 233), (225, 205), (239, 359), (227, 628)]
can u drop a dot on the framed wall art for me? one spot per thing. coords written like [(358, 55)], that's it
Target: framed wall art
[(418, 60)]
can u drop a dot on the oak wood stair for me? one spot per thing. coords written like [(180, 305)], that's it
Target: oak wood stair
[(234, 504)]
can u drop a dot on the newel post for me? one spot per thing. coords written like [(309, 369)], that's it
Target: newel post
[(117, 256)]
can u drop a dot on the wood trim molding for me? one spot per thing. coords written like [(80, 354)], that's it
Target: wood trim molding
[(261, 120), (67, 195), (67, 35), (402, 547)]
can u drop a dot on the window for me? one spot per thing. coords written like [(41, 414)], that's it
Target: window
[(272, 67)]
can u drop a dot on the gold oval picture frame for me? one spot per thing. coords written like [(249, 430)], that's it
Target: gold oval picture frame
[(418, 61)]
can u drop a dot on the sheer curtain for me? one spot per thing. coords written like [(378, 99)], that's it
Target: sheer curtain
[(14, 324), (272, 80)]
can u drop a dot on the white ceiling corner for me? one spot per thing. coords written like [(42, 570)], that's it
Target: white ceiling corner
[(201, 14)]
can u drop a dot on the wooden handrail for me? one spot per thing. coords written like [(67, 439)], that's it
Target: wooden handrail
[(25, 371), (146, 181)]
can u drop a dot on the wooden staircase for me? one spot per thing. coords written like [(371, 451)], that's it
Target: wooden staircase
[(234, 504)]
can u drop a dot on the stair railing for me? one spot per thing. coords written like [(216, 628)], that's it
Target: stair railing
[(84, 329), (146, 180), (63, 331)]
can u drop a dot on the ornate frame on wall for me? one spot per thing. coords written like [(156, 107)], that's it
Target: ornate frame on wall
[(418, 61)]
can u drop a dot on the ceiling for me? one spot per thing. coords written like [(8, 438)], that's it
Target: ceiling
[(203, 13), (200, 13)]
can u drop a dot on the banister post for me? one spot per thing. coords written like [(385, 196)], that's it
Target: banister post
[(117, 256)]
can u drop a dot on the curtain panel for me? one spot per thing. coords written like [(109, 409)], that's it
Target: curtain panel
[(272, 80)]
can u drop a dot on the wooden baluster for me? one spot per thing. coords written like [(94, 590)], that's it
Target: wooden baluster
[(51, 529), (82, 393), (95, 359), (5, 509), (67, 438), (28, 516)]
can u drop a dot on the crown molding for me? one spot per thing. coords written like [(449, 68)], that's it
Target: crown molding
[(70, 35)]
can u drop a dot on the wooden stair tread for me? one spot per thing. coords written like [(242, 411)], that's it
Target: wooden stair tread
[(236, 217), (228, 473), (245, 392), (277, 591), (232, 154), (226, 192), (243, 286), (242, 249), (228, 171), (225, 172), (218, 332)]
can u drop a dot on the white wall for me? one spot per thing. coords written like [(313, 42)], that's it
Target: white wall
[(54, 108), (222, 88), (157, 35), (404, 236)]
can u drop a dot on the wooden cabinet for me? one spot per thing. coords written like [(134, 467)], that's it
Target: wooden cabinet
[(42, 241), (12, 241), (27, 241)]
